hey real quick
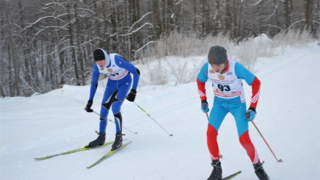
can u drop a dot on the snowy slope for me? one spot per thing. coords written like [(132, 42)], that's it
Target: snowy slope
[(288, 117)]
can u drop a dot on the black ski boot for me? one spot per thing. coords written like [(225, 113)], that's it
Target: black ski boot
[(99, 141), (262, 175), (117, 142), (216, 173)]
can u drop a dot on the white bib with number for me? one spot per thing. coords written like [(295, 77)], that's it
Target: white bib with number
[(114, 72), (226, 85)]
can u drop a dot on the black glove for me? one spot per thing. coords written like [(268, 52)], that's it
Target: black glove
[(250, 114), (88, 106), (204, 106), (132, 95)]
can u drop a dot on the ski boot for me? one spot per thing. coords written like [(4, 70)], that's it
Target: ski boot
[(262, 175), (216, 173), (117, 142), (99, 141)]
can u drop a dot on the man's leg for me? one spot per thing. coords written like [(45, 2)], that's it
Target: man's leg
[(238, 110), (116, 107), (216, 117), (108, 98), (106, 104)]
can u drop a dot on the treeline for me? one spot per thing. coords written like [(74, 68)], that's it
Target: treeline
[(47, 43)]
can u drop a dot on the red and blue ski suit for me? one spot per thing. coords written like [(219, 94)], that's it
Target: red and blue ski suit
[(229, 97)]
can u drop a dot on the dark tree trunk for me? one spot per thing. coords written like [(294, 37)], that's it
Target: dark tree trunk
[(78, 36), (308, 15), (74, 62), (286, 14), (13, 53)]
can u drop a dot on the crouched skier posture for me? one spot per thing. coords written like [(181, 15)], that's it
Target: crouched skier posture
[(118, 71), (229, 96)]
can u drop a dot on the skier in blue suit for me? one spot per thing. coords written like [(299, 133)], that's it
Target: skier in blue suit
[(119, 73)]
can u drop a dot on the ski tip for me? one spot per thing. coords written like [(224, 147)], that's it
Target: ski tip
[(231, 176), (171, 134)]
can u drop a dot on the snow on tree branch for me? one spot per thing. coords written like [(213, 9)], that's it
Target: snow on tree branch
[(40, 19), (144, 46), (139, 20), (136, 29)]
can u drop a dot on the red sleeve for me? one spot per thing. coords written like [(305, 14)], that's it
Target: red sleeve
[(255, 92), (202, 90)]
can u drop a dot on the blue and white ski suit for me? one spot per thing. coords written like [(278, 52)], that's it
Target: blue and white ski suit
[(118, 71)]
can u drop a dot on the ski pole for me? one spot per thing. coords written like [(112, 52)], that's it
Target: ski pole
[(152, 118), (113, 122), (99, 115), (280, 160)]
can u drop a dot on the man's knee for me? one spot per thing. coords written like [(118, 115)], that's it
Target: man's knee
[(211, 132)]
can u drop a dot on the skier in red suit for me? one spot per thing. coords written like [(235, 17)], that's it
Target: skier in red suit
[(226, 76)]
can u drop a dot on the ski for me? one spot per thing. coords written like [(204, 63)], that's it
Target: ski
[(73, 151), (108, 155), (231, 176)]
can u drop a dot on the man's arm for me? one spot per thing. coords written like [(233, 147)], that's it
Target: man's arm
[(94, 81), (201, 81), (131, 68), (252, 80)]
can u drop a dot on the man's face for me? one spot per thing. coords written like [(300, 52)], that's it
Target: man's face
[(101, 63), (217, 67)]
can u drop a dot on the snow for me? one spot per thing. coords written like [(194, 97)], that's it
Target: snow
[(287, 115), (262, 38)]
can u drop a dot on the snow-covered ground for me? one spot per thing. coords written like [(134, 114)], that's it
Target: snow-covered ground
[(288, 117)]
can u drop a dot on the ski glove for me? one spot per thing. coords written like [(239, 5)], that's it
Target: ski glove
[(250, 114), (88, 106), (132, 95), (204, 106)]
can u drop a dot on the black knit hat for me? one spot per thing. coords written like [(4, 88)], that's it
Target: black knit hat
[(98, 55), (217, 55)]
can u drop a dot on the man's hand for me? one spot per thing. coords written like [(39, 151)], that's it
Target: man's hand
[(132, 95), (250, 114), (88, 106), (204, 106)]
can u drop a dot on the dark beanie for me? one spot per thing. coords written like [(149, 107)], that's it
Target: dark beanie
[(98, 55), (217, 55)]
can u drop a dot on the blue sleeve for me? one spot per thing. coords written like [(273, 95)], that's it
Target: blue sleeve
[(244, 73), (131, 68), (202, 76), (94, 81)]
